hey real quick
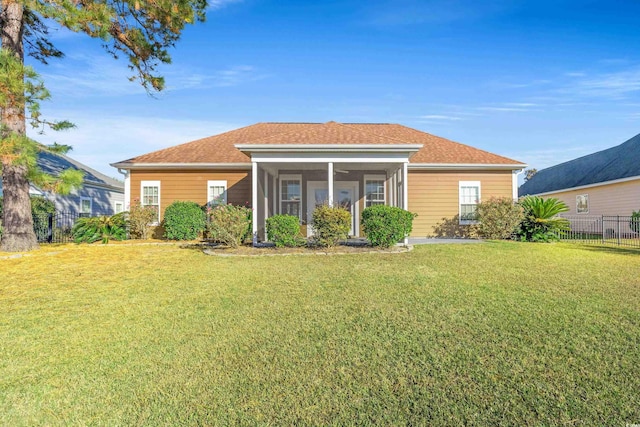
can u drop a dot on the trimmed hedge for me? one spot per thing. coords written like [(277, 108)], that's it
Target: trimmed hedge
[(330, 225), (283, 230), (183, 221), (386, 225)]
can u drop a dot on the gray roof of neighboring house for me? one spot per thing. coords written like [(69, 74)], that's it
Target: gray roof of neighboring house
[(53, 164), (622, 161)]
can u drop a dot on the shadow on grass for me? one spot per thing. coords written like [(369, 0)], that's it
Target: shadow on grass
[(609, 249)]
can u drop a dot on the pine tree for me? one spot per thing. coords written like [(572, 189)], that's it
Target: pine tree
[(141, 31)]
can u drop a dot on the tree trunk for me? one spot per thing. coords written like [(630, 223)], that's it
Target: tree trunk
[(17, 223)]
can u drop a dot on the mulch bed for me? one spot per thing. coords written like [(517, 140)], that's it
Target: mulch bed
[(220, 250)]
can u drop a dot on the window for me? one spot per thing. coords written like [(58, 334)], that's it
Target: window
[(151, 197), (85, 206), (374, 190), (582, 203), (118, 207), (469, 192), (290, 195), (217, 193)]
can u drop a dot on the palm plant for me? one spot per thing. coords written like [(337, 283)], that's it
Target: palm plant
[(541, 222), (104, 228)]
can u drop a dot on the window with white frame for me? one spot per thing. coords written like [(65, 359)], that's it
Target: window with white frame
[(291, 195), (150, 196), (582, 203), (469, 192), (85, 206), (216, 193), (118, 207), (374, 190)]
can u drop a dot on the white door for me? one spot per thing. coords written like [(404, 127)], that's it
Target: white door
[(345, 194)]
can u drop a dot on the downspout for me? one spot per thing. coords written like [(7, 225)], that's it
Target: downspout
[(515, 184), (127, 187)]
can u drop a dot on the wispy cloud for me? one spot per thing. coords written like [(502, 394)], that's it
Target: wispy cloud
[(218, 4), (102, 139), (440, 117), (609, 85)]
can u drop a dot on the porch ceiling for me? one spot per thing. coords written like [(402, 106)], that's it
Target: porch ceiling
[(276, 168)]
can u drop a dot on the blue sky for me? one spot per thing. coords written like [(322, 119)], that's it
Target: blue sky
[(541, 82)]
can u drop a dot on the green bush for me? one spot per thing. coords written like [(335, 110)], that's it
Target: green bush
[(386, 225), (229, 224), (499, 218), (139, 220), (184, 221), (634, 224), (330, 225), (541, 222), (104, 228), (283, 230)]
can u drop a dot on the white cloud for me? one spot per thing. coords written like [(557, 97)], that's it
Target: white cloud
[(440, 117), (610, 85), (218, 4)]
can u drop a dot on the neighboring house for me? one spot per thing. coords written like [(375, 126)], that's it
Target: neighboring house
[(99, 194), (290, 168), (602, 183)]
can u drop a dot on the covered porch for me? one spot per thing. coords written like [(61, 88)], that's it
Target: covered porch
[(294, 180)]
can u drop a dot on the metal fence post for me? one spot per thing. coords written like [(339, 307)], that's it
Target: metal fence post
[(618, 228)]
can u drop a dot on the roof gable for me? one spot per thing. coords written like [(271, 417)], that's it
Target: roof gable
[(220, 149), (619, 162)]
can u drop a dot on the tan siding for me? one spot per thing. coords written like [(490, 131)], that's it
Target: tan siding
[(192, 185), (612, 199), (433, 195)]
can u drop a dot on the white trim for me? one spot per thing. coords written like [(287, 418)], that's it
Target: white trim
[(466, 166), (127, 190), (151, 184), (467, 184), (265, 187), (582, 187), (82, 199), (289, 177), (514, 184), (330, 182), (385, 192), (254, 202), (348, 157), (217, 183), (405, 188), (133, 166), (332, 148)]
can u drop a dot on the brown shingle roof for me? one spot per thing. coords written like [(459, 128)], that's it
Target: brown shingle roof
[(221, 148)]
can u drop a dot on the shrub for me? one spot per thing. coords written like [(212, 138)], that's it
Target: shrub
[(634, 224), (499, 218), (104, 228), (183, 221), (386, 225), (139, 219), (283, 230), (541, 222), (229, 224), (330, 225)]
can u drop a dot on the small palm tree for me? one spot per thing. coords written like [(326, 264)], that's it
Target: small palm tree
[(541, 222)]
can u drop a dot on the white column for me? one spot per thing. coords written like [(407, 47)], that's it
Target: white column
[(254, 201), (330, 182), (405, 192), (392, 190), (274, 204), (514, 184), (266, 202)]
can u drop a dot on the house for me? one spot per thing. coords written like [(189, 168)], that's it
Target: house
[(99, 195), (290, 168), (602, 183)]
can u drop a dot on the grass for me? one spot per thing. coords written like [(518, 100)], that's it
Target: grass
[(498, 333)]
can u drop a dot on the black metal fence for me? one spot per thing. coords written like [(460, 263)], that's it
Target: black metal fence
[(607, 230), (54, 228)]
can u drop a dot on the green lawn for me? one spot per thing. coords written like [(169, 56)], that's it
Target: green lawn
[(497, 333)]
